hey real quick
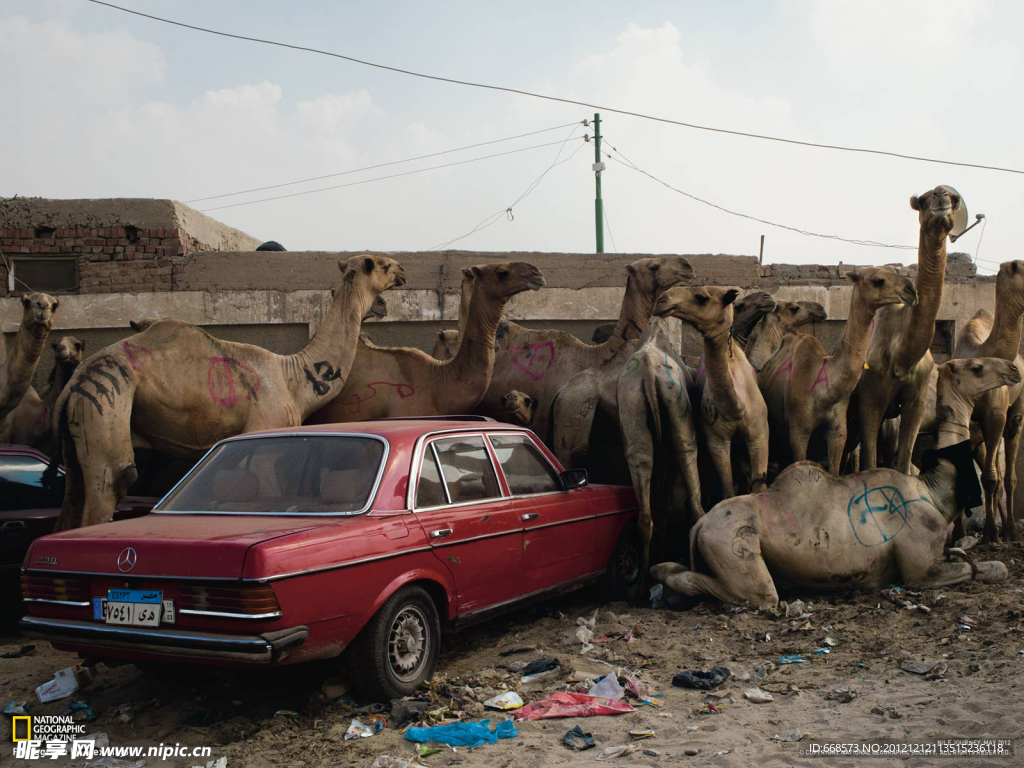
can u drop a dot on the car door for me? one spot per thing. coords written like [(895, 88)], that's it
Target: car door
[(468, 521), (558, 525)]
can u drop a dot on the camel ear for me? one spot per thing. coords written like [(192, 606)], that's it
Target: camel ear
[(467, 273), (440, 335), (477, 272), (26, 302), (369, 264), (54, 307), (81, 345), (729, 297), (135, 326), (915, 203), (630, 269), (853, 277), (342, 265)]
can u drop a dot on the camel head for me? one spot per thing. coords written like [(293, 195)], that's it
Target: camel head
[(444, 347), (143, 324), (376, 273), (1010, 284), (748, 309), (654, 275), (793, 314), (878, 287), (38, 311), (502, 281), (519, 407), (377, 310), (936, 208), (707, 308), (968, 379), (68, 349)]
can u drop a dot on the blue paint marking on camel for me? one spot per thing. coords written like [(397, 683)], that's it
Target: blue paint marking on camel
[(878, 514)]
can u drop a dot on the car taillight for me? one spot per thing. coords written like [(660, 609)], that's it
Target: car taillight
[(37, 587), (256, 601)]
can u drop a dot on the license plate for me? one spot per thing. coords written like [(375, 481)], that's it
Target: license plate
[(135, 607)]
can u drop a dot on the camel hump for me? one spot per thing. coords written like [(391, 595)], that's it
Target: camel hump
[(797, 476)]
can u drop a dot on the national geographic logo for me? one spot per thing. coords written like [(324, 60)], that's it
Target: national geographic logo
[(57, 727), (21, 728)]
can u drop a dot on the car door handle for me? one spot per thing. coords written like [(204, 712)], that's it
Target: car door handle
[(531, 516), (440, 533)]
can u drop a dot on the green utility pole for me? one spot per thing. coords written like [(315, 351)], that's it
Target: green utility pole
[(598, 167)]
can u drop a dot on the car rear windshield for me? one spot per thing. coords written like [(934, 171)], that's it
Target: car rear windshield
[(282, 475)]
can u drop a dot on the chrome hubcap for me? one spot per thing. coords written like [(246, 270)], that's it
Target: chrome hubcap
[(407, 643)]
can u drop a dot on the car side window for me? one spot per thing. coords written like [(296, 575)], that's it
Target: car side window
[(526, 469), (466, 466), (430, 492), (22, 485)]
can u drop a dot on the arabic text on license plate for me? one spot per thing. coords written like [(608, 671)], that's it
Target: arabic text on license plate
[(137, 607), (99, 610)]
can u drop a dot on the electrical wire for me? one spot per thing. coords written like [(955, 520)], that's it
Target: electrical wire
[(629, 164), (383, 178), (492, 219), (608, 226), (589, 105), (378, 165)]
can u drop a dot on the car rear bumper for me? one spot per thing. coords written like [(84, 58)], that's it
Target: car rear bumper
[(267, 648)]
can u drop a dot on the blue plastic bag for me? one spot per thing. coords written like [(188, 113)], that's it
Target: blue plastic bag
[(463, 734)]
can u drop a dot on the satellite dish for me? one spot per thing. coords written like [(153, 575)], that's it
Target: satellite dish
[(959, 215)]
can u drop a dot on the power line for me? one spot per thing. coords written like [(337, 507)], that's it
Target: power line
[(383, 178), (488, 221), (873, 243), (379, 165), (558, 99)]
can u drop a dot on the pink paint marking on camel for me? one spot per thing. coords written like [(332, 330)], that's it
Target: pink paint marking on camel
[(702, 368), (220, 376), (526, 358), (786, 366), (822, 377), (355, 402), (130, 351)]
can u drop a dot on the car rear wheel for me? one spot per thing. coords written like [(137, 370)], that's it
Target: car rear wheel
[(398, 649), (624, 580)]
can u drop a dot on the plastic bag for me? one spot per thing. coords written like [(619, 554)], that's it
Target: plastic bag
[(571, 705), (508, 700), (704, 681), (578, 740), (609, 688), (463, 734)]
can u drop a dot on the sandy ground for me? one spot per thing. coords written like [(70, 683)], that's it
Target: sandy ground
[(979, 695)]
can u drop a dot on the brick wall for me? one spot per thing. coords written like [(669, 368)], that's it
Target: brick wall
[(110, 259)]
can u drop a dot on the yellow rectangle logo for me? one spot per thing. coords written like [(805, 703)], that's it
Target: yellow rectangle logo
[(28, 728)]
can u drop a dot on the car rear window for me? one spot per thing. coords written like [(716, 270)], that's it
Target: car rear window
[(292, 474), (22, 485)]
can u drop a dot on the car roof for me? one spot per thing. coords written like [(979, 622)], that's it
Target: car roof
[(394, 428), (12, 449)]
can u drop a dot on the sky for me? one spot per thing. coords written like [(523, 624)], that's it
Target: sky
[(103, 104)]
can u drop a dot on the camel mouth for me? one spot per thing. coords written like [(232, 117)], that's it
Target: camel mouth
[(661, 310), (536, 283)]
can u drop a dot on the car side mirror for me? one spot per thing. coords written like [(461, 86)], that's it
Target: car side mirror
[(573, 478)]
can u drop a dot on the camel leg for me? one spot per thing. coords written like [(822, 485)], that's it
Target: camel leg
[(1011, 445), (721, 456), (924, 567), (640, 458), (911, 418), (995, 423), (798, 442), (757, 450), (870, 423), (836, 440)]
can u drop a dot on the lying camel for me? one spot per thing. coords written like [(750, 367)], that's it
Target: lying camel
[(520, 408), (657, 426), (402, 381), (806, 388), (541, 362), (1000, 412), (31, 420), (16, 371), (731, 406), (447, 344), (766, 337), (747, 312), (176, 389), (899, 355), (868, 530)]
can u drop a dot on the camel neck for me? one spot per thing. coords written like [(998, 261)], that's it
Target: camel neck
[(941, 482), (634, 315), (931, 273), (464, 301), (850, 355), (952, 414), (720, 356), (770, 331), (20, 367), (1004, 339), (318, 373), (61, 374), (473, 364)]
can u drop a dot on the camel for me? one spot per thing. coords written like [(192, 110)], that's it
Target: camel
[(899, 359), (447, 344), (747, 312), (520, 408), (30, 422), (1000, 412), (731, 404), (401, 381), (806, 388), (814, 530), (766, 337), (176, 389), (656, 421), (17, 370), (542, 361)]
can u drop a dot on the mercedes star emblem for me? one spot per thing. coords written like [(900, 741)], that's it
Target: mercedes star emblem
[(126, 560)]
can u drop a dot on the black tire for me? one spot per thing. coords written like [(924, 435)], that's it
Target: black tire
[(623, 579), (398, 648)]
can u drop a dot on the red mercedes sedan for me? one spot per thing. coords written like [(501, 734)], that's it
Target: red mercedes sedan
[(292, 545)]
